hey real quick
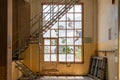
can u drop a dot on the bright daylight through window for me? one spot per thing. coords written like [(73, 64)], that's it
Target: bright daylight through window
[(63, 41)]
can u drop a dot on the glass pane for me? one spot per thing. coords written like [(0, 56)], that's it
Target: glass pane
[(53, 57), (46, 16), (61, 7), (62, 25), (62, 41), (70, 33), (47, 34), (78, 25), (78, 53), (70, 24), (53, 49), (62, 57), (61, 33), (63, 18), (78, 8), (44, 22), (70, 57), (69, 41), (78, 17), (55, 26), (62, 49), (53, 41), (78, 33), (46, 57), (46, 49), (46, 8), (71, 49), (54, 33), (46, 42), (78, 41), (55, 8), (68, 50), (71, 10), (69, 17)]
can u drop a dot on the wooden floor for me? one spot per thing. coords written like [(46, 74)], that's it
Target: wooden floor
[(65, 78)]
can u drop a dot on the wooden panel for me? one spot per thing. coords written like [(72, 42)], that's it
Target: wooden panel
[(3, 32), (3, 39)]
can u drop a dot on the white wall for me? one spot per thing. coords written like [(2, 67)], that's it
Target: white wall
[(107, 19)]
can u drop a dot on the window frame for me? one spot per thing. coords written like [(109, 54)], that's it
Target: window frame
[(82, 23)]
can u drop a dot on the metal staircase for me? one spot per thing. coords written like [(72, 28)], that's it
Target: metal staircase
[(28, 74), (50, 20)]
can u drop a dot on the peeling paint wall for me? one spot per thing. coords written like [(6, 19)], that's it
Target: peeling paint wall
[(31, 55), (108, 34), (90, 33)]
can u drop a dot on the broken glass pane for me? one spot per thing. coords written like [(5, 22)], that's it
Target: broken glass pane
[(71, 49), (70, 25), (53, 42), (62, 41), (78, 33), (78, 41), (64, 49), (54, 33), (69, 17), (62, 25)]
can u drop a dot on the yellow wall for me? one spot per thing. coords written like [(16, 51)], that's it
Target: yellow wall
[(112, 61), (15, 72), (31, 60), (90, 31), (30, 56)]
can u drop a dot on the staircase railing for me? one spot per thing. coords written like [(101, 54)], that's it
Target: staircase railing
[(52, 19), (27, 72)]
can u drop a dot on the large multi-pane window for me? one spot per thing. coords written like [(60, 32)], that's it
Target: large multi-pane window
[(63, 41)]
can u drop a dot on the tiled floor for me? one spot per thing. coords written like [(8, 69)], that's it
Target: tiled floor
[(65, 78)]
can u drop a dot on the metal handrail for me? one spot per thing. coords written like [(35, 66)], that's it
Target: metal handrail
[(52, 18), (61, 8), (60, 12)]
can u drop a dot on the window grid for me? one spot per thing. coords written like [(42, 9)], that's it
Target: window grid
[(66, 30)]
